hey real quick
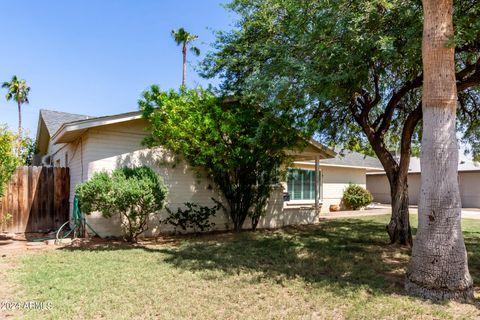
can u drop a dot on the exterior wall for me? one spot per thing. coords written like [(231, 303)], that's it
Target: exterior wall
[(333, 181), (336, 180), (379, 186), (114, 146), (470, 189), (469, 183), (74, 153)]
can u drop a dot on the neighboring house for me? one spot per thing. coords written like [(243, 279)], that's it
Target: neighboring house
[(468, 178), (91, 144)]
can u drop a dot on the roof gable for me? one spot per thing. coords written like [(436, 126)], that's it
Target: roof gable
[(55, 119), (49, 122)]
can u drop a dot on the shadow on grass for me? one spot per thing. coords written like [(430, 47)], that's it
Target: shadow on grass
[(339, 253), (343, 255)]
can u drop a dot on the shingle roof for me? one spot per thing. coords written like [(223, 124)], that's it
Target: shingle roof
[(350, 158), (463, 165), (54, 119)]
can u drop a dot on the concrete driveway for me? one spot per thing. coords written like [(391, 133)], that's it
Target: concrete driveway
[(467, 213), (377, 209)]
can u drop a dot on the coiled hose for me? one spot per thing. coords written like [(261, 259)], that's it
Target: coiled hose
[(78, 221)]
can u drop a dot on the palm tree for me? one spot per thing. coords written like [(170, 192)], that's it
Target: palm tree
[(438, 268), (18, 90), (184, 38)]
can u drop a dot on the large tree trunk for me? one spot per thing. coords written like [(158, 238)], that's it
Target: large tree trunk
[(438, 268), (399, 229)]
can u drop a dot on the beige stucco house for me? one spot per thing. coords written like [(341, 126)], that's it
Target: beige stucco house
[(91, 144), (468, 178)]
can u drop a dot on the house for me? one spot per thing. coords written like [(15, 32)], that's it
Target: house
[(91, 144), (468, 178), (336, 173)]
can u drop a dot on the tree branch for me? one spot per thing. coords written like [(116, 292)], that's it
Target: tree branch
[(393, 102), (376, 141)]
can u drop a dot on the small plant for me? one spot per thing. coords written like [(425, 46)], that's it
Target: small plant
[(356, 197), (192, 217), (5, 220), (135, 194)]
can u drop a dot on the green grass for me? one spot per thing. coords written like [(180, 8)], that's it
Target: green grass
[(338, 269)]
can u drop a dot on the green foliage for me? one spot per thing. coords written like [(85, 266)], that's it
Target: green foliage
[(338, 61), (6, 219), (17, 90), (356, 197), (8, 159), (28, 148), (183, 37), (315, 55), (240, 146), (135, 194), (192, 217)]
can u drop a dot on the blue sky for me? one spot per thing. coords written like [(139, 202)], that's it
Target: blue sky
[(96, 57)]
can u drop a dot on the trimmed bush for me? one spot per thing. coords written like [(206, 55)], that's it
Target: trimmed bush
[(356, 197), (135, 194)]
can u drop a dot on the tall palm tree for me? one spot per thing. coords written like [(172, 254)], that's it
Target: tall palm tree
[(438, 267), (185, 38), (18, 90)]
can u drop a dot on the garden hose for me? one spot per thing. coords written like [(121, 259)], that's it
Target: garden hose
[(78, 221)]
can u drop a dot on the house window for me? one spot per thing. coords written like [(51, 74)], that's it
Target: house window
[(301, 184)]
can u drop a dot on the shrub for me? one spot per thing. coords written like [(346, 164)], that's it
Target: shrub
[(28, 149), (8, 159), (355, 197), (135, 194), (194, 216)]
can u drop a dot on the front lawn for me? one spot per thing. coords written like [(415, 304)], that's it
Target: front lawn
[(335, 270)]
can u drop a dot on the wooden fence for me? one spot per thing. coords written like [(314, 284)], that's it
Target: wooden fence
[(37, 198)]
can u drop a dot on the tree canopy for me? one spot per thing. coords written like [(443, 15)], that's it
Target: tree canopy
[(349, 67), (183, 37), (330, 53), (17, 90), (241, 146)]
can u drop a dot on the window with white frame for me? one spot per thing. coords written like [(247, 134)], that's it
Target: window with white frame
[(301, 184)]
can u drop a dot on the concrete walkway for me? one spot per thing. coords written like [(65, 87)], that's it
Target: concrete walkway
[(378, 209), (356, 213)]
